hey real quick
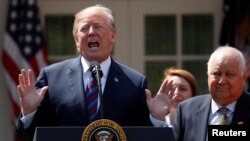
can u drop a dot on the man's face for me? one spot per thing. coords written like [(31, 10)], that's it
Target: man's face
[(95, 37), (226, 80)]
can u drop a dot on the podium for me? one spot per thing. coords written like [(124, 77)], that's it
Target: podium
[(75, 133)]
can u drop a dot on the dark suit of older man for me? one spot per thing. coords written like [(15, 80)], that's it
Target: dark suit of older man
[(193, 114)]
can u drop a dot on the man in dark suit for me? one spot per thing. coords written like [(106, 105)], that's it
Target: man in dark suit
[(58, 96), (226, 77)]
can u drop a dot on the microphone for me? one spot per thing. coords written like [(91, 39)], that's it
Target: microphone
[(97, 75)]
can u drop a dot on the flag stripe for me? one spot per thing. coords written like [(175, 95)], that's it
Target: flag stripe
[(11, 87), (10, 65), (13, 52), (15, 106), (34, 65), (24, 47), (41, 57)]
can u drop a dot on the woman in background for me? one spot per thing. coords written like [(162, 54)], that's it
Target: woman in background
[(177, 86)]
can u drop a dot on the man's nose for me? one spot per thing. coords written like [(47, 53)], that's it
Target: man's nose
[(222, 78), (91, 30)]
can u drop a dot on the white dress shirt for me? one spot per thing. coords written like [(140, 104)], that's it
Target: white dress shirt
[(215, 115)]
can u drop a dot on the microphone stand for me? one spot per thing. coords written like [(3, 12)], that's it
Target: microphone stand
[(97, 74), (99, 84)]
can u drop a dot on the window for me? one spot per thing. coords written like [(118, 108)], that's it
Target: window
[(59, 37), (162, 52)]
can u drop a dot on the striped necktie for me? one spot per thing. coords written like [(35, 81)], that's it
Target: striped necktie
[(224, 119), (91, 96)]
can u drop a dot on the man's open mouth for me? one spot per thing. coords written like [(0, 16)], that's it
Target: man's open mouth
[(92, 44)]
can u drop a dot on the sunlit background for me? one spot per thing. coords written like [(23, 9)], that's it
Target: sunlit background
[(152, 35)]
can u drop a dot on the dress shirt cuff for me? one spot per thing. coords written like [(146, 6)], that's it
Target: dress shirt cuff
[(157, 123), (27, 119)]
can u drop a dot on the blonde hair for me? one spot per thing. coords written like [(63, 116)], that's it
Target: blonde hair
[(95, 9)]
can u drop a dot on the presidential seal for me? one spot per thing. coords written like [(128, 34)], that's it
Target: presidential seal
[(103, 130)]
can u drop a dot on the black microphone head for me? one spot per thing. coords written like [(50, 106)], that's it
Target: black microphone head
[(95, 69)]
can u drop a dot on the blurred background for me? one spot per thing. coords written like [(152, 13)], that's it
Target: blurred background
[(152, 35)]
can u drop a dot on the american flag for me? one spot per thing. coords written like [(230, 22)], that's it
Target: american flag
[(24, 46), (235, 30)]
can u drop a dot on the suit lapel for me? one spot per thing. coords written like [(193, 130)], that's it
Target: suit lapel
[(111, 87), (200, 119), (76, 85), (75, 76), (241, 115)]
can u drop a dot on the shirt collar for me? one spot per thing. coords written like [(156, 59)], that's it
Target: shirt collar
[(215, 106), (105, 65)]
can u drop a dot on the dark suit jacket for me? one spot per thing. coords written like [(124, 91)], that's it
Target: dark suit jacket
[(193, 114), (124, 99)]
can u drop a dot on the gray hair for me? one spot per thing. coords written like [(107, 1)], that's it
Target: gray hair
[(238, 54)]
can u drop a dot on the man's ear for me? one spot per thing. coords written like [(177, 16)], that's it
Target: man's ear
[(113, 36), (245, 74), (77, 42)]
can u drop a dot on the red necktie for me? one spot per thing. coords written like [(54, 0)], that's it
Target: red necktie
[(92, 98)]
